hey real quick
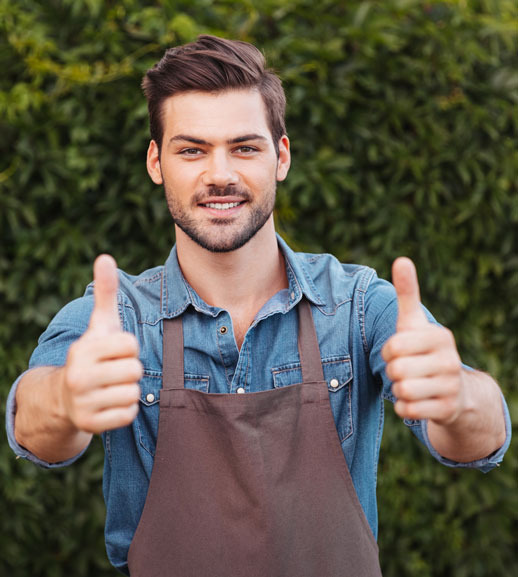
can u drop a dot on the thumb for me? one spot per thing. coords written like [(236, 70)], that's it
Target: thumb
[(404, 278), (105, 315)]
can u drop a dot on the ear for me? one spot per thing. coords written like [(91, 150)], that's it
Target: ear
[(153, 163), (283, 164)]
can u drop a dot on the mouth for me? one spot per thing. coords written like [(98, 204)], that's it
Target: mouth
[(219, 207)]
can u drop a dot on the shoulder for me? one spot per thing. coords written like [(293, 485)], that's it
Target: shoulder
[(139, 295), (141, 289), (336, 282), (139, 292)]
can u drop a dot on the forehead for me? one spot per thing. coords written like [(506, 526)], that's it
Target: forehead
[(215, 115)]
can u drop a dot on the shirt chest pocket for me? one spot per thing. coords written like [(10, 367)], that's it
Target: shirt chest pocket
[(338, 374), (146, 423)]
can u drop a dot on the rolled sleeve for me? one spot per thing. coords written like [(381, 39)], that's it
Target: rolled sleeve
[(487, 463), (66, 327), (22, 452), (383, 316)]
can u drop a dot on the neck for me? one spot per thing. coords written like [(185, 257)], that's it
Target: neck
[(240, 280)]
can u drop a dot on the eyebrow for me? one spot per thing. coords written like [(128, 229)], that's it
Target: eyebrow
[(237, 140)]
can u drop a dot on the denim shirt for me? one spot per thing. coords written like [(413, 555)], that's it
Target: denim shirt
[(354, 314)]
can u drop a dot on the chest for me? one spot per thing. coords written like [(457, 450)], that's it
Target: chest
[(268, 358), (241, 322)]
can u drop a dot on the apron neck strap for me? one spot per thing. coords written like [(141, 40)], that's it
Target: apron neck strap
[(172, 353), (309, 352)]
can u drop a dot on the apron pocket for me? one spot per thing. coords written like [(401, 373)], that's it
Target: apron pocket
[(146, 423), (338, 374)]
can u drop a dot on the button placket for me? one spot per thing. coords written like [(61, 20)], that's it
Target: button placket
[(228, 351)]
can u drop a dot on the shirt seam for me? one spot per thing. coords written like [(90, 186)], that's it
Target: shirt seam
[(362, 290)]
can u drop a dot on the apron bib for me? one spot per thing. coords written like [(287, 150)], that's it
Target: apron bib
[(250, 485)]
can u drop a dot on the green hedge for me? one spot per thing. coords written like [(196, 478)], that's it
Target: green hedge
[(403, 118)]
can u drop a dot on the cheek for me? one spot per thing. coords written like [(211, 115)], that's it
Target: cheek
[(260, 179), (178, 177)]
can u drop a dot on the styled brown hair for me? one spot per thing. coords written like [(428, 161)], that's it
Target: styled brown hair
[(213, 64)]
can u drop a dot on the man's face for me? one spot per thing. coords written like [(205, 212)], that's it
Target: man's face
[(218, 166)]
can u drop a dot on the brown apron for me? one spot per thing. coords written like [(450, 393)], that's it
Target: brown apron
[(250, 485)]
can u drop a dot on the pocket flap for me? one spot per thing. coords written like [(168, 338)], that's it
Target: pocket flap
[(337, 373), (150, 386)]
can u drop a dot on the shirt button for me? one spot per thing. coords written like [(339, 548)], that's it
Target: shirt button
[(334, 383), (150, 397), (223, 330), (292, 296), (240, 390)]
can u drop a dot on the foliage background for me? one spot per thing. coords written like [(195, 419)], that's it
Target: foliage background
[(403, 119)]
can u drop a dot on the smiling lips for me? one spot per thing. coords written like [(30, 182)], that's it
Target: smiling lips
[(222, 205)]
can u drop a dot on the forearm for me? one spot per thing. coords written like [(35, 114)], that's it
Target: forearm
[(479, 429), (41, 424)]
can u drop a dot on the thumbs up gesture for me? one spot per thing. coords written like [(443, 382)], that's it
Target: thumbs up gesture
[(100, 388), (422, 358)]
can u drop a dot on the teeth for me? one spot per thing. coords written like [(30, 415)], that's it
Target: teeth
[(222, 205)]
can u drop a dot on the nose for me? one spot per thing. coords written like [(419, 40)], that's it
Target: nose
[(219, 171)]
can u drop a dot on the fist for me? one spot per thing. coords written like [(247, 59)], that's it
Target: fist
[(100, 388), (422, 359)]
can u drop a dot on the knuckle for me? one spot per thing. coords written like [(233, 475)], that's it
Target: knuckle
[(128, 414), (388, 349), (135, 370), (449, 407), (74, 379), (135, 393), (445, 337), (391, 350), (130, 342), (75, 350), (448, 335), (454, 386), (404, 389), (396, 369), (139, 369), (452, 363), (412, 411), (85, 422)]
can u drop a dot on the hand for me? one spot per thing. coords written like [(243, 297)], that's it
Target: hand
[(422, 358), (100, 388)]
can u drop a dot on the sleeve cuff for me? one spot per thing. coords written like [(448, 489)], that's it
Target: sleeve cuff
[(487, 463), (20, 451)]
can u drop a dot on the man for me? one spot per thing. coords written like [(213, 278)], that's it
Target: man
[(239, 388)]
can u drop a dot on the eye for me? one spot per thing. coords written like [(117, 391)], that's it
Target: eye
[(190, 152), (245, 149)]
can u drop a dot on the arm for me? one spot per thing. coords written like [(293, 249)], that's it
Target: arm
[(479, 429), (463, 408), (60, 408), (42, 425)]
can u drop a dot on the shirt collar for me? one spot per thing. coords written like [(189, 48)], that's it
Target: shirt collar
[(177, 294), (299, 279)]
